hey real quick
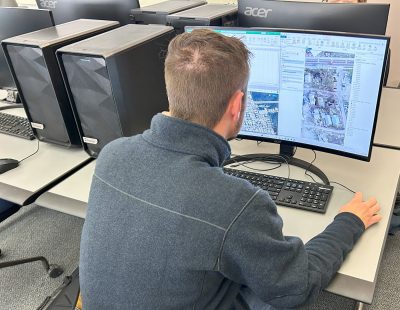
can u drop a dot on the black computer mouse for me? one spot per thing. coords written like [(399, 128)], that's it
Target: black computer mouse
[(8, 164)]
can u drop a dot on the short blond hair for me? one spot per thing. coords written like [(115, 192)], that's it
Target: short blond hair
[(203, 69)]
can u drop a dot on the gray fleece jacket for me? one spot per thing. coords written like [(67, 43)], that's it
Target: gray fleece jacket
[(167, 229)]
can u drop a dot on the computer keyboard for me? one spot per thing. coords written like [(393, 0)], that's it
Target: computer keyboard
[(16, 126), (289, 192)]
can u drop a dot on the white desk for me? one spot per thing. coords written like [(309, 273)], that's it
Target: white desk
[(36, 173), (71, 195), (356, 279), (387, 132)]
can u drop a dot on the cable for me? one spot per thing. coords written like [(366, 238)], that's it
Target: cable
[(252, 160), (237, 164), (332, 182), (270, 159), (306, 171), (349, 189), (37, 150)]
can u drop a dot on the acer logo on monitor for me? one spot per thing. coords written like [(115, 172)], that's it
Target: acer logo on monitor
[(48, 4), (257, 12)]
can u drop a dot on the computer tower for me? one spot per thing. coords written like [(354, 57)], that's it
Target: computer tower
[(115, 82), (205, 15), (157, 13), (33, 64)]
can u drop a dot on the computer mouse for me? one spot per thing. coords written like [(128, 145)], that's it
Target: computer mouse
[(8, 164)]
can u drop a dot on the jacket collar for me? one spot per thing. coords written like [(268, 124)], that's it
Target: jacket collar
[(186, 137)]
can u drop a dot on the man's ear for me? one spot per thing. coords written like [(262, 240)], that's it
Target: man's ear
[(235, 104)]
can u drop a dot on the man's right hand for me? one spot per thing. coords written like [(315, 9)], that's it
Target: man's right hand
[(365, 210)]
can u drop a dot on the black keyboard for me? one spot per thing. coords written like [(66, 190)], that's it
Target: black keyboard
[(289, 192), (16, 126)]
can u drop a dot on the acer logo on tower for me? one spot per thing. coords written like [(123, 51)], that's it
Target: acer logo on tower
[(257, 12)]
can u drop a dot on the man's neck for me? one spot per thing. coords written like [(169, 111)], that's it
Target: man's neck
[(219, 129)]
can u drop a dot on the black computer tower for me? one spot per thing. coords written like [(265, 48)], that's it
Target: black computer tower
[(157, 13), (33, 64), (206, 15), (115, 82)]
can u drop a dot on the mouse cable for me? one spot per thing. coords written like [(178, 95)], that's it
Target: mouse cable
[(332, 182), (37, 150)]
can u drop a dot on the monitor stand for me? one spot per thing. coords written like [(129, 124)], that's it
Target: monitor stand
[(286, 155)]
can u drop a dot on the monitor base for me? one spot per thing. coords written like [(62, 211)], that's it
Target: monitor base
[(282, 158)]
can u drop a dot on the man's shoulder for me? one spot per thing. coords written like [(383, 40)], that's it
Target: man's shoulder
[(117, 151), (120, 145)]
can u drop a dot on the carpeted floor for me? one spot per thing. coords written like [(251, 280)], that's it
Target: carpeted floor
[(35, 231)]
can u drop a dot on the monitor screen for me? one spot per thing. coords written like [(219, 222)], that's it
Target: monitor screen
[(368, 18), (14, 22), (318, 90), (68, 10)]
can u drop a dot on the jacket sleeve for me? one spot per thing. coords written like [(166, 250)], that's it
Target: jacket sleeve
[(282, 271)]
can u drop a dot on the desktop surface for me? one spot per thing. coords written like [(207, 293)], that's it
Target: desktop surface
[(356, 278), (32, 175)]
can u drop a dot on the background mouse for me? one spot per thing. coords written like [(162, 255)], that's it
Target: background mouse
[(7, 164)]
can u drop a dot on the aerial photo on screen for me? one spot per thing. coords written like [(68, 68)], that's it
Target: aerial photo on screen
[(261, 114), (327, 86)]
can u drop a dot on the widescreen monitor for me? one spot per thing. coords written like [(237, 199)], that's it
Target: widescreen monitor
[(370, 18), (68, 10), (317, 90), (17, 21)]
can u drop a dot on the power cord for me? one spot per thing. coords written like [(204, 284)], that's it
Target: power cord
[(37, 150)]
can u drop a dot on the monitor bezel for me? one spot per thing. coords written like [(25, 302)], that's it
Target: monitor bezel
[(11, 84), (304, 145), (288, 6)]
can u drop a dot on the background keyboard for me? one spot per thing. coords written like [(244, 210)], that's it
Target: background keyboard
[(16, 126), (289, 192)]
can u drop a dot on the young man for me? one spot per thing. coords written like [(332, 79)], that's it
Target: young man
[(167, 229)]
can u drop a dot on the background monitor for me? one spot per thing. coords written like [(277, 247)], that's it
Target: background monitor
[(68, 10), (317, 90), (17, 21), (368, 18)]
